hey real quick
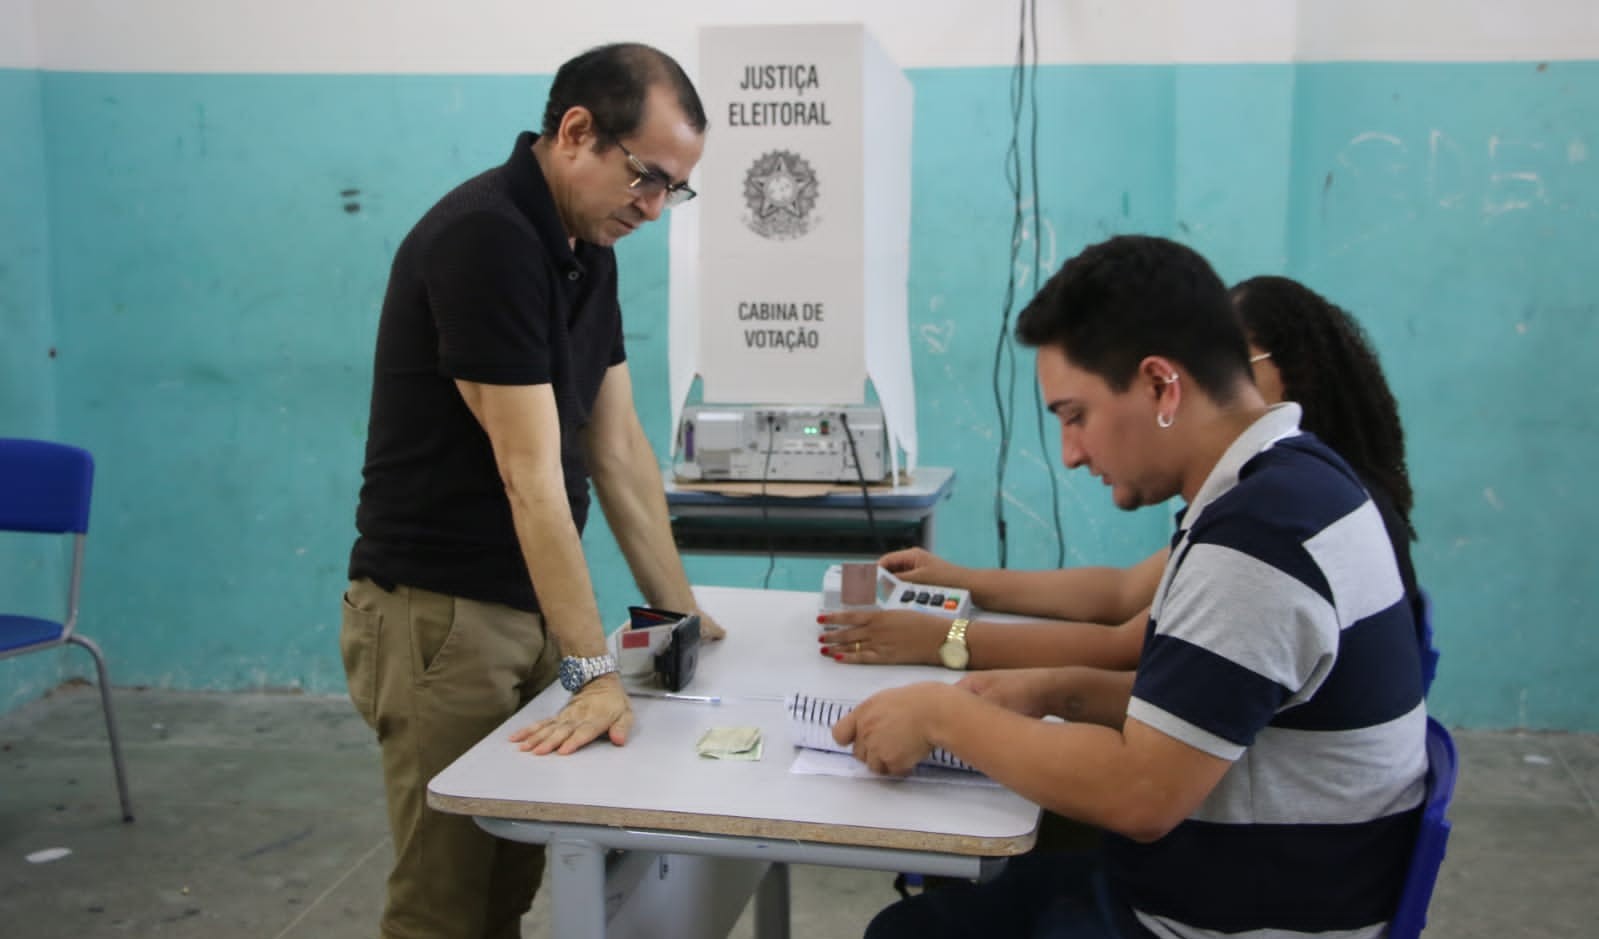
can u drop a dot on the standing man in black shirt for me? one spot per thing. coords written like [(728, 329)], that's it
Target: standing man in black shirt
[(500, 388)]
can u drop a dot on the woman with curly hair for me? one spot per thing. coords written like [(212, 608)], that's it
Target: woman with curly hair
[(1306, 349)]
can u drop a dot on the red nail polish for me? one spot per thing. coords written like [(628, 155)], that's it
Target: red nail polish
[(821, 619), (825, 650), (838, 658)]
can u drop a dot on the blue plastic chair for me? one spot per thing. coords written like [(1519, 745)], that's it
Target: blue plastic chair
[(45, 489), (1429, 651), (1433, 837)]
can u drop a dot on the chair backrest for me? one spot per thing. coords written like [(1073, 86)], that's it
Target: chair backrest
[(1431, 839), (1429, 651), (44, 486)]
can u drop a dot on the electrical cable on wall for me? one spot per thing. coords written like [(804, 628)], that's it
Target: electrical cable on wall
[(866, 496), (1004, 378), (1038, 283), (766, 513), (1024, 94)]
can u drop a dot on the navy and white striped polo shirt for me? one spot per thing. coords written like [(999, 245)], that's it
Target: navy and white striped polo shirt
[(1280, 639)]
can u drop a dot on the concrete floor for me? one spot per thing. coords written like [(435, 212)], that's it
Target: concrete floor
[(261, 816)]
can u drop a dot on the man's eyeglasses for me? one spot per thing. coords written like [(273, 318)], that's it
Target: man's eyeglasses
[(647, 182)]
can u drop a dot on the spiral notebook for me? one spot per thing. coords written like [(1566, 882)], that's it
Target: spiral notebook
[(812, 720)]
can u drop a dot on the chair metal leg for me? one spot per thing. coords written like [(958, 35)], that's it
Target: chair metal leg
[(110, 722)]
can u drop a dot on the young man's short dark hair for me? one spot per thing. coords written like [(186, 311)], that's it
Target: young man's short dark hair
[(1135, 296)]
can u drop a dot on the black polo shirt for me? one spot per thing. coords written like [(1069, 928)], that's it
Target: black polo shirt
[(484, 289)]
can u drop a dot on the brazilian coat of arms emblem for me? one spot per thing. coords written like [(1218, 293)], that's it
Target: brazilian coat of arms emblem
[(780, 192)]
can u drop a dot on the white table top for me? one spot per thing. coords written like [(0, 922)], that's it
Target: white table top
[(657, 780)]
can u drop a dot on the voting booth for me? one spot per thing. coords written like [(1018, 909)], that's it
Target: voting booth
[(789, 272)]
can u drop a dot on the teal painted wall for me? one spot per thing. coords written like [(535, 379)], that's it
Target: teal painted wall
[(30, 578), (1454, 209), (216, 291)]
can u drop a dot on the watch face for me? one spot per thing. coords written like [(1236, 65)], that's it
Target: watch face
[(571, 674), (575, 672), (954, 655)]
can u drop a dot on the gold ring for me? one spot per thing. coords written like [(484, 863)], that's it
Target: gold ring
[(857, 645)]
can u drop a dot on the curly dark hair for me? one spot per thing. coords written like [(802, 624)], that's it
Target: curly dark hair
[(1329, 367), (612, 82)]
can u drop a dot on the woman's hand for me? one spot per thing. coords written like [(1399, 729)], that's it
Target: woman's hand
[(921, 566), (883, 637)]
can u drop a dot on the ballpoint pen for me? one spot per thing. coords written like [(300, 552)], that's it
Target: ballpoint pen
[(674, 696)]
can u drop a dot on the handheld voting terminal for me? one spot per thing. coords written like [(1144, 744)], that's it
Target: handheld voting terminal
[(841, 590)]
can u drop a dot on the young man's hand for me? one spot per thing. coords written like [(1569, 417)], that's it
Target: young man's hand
[(893, 730)]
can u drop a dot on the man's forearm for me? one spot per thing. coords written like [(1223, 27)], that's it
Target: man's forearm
[(629, 488), (644, 533), (1088, 695), (1081, 771), (553, 551)]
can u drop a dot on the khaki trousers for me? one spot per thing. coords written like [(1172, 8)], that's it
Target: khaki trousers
[(433, 675)]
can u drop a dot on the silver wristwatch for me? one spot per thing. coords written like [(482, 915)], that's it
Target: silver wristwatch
[(576, 672)]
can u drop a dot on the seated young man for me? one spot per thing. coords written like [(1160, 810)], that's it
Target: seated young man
[(1303, 348), (1262, 770)]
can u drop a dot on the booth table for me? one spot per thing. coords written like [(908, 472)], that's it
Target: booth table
[(835, 524)]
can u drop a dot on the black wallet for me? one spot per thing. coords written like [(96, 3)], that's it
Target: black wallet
[(674, 664)]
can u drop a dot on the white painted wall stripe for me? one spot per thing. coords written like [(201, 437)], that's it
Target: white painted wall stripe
[(18, 35), (534, 36)]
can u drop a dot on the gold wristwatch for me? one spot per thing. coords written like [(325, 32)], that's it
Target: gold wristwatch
[(953, 653)]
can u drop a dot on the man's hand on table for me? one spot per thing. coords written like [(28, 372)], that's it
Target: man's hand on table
[(598, 707), (710, 628)]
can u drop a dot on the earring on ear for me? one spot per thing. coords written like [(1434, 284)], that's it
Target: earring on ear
[(1164, 421)]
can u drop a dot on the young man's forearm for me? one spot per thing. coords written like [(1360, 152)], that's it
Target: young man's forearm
[(1087, 695), (1083, 771)]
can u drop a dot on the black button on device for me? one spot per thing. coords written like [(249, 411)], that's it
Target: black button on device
[(923, 597), (938, 599), (907, 596)]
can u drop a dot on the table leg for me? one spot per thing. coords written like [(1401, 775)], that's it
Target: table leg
[(577, 889), (692, 886), (771, 904)]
